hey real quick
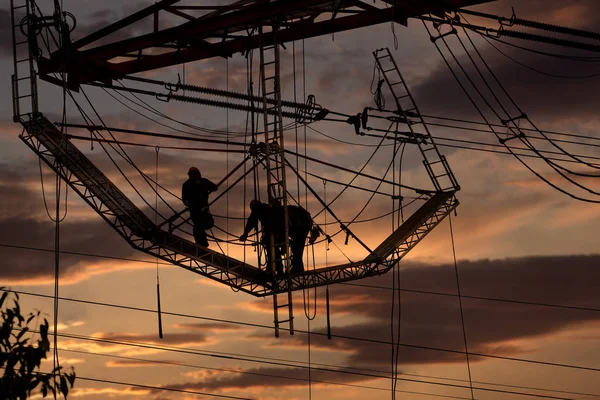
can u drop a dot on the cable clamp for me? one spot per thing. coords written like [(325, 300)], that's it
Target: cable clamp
[(504, 140), (508, 21), (453, 31), (507, 121), (164, 97)]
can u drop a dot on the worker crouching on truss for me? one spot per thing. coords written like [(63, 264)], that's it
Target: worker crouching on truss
[(194, 194), (272, 221)]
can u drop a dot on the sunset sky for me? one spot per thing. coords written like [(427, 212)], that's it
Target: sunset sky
[(528, 257)]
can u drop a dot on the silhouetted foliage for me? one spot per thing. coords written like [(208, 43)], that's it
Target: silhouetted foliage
[(22, 350)]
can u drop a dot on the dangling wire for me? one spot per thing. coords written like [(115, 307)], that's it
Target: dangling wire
[(401, 206), (227, 157), (160, 331), (393, 27), (57, 221), (377, 93), (462, 316)]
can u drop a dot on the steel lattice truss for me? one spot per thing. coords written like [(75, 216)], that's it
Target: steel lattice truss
[(221, 31), (136, 228)]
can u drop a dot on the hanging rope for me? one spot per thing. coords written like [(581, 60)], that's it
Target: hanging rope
[(160, 331)]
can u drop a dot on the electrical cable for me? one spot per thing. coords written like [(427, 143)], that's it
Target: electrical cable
[(237, 371), (524, 140), (230, 356), (482, 298), (462, 315), (539, 71), (538, 175), (366, 340)]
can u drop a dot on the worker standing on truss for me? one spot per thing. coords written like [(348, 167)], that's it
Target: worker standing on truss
[(272, 221), (194, 194)]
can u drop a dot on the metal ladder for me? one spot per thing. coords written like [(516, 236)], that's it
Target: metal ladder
[(24, 81), (275, 166), (435, 163)]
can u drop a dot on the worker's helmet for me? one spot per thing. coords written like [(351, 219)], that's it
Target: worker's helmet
[(254, 203), (193, 171)]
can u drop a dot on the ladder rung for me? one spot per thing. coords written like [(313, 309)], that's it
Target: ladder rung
[(22, 79), (22, 42), (22, 60), (269, 63), (282, 305), (283, 321), (270, 77), (19, 7), (24, 96), (388, 70), (397, 83)]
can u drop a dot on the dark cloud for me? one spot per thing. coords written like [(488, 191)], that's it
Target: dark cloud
[(23, 221), (434, 321), (179, 338), (209, 327), (273, 377)]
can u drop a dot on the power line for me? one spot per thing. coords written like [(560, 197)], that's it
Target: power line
[(229, 356), (172, 363), (367, 340), (163, 388), (195, 366), (484, 298)]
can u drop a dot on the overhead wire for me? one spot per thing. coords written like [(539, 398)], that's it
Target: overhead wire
[(482, 298), (515, 105), (232, 356), (537, 70), (251, 373), (537, 174), (236, 371), (460, 306), (360, 339)]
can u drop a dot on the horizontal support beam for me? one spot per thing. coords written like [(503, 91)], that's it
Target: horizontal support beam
[(112, 28), (93, 64), (298, 31)]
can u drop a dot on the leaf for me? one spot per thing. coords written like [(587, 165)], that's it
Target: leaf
[(64, 387), (23, 331), (71, 377), (4, 295)]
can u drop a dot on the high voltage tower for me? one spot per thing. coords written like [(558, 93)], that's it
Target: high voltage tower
[(43, 50)]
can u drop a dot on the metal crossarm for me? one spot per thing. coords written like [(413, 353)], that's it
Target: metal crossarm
[(275, 166), (435, 163)]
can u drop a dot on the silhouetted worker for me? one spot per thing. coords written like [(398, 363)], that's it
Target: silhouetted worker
[(300, 224), (194, 194), (272, 221), (264, 213)]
